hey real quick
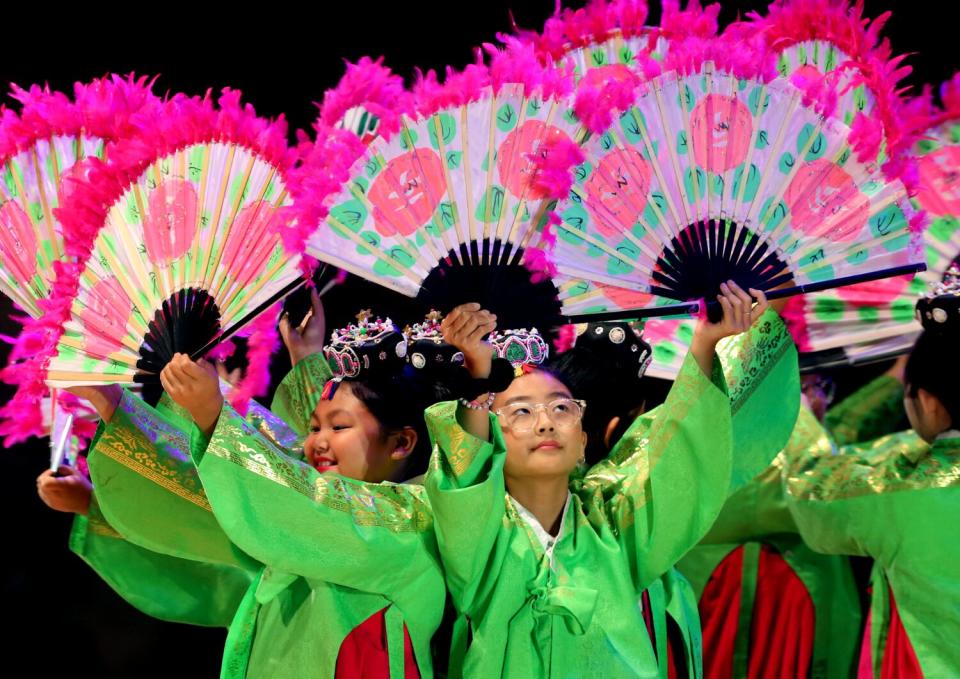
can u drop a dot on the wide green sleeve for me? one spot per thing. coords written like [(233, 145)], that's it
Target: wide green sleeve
[(763, 377), (837, 497), (149, 489), (665, 481), (285, 514), (759, 508), (267, 422), (468, 497), (299, 392), (874, 410), (162, 586)]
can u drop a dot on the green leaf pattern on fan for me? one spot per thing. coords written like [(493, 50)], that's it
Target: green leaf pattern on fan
[(617, 51), (814, 58), (879, 318)]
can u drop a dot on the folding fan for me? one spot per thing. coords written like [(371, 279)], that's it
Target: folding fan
[(448, 208), (831, 45), (876, 320), (43, 149), (191, 219), (711, 176)]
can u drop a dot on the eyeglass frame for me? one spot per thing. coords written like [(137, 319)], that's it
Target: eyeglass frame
[(537, 407)]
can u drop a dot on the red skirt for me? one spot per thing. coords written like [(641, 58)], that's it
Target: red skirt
[(782, 625), (364, 655)]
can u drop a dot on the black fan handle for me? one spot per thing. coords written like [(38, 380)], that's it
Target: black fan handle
[(691, 308)]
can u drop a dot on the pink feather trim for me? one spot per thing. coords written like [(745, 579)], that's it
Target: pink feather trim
[(101, 108), (602, 20), (736, 51), (554, 167), (842, 23), (325, 166), (374, 87), (819, 92), (540, 265), (566, 338), (222, 351), (794, 315), (693, 21), (515, 64), (596, 106), (950, 97), (595, 23)]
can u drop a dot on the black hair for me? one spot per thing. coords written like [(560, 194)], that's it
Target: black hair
[(397, 401), (610, 390), (934, 365)]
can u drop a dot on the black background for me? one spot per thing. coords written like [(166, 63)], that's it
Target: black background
[(60, 617)]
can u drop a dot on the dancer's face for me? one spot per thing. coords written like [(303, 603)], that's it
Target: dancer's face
[(537, 444), (345, 438)]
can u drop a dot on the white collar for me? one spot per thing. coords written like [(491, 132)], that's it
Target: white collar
[(547, 541)]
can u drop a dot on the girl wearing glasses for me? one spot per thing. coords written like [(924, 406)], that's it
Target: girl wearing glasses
[(545, 561)]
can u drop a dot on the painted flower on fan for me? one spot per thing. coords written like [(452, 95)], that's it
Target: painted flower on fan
[(406, 192), (171, 220), (597, 77), (807, 72), (617, 190), (18, 242), (516, 157), (105, 313), (825, 202), (625, 298), (940, 182), (253, 239), (721, 127), (874, 293)]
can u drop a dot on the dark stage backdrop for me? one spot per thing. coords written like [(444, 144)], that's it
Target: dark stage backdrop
[(60, 619)]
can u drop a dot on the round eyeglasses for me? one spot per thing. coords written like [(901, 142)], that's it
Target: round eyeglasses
[(522, 417)]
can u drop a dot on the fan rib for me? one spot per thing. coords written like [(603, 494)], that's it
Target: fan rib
[(211, 277), (44, 203), (430, 189), (677, 172), (215, 219), (441, 150), (194, 276), (491, 163), (473, 233), (252, 243), (511, 160)]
